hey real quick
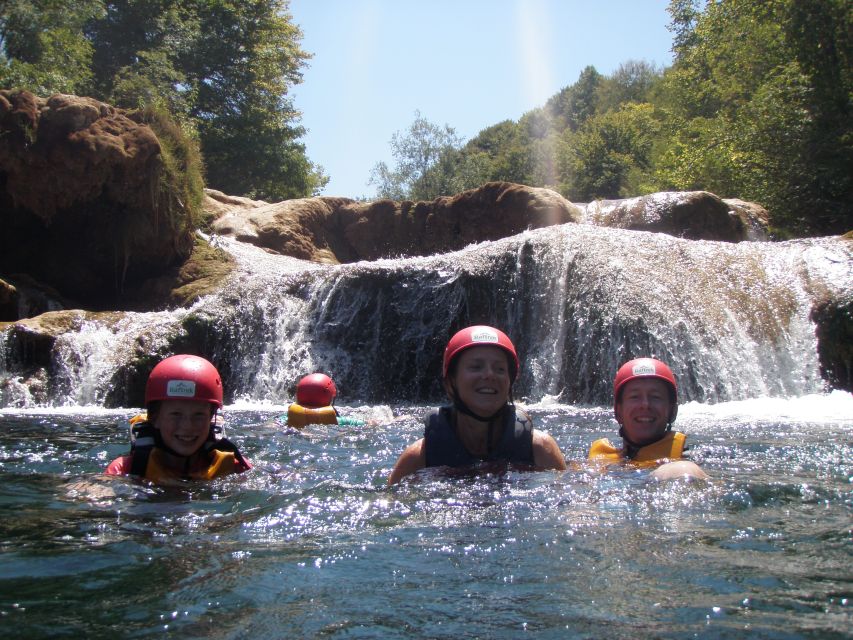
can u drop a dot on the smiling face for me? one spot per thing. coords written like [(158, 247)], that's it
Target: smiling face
[(184, 424), (643, 410), (481, 379)]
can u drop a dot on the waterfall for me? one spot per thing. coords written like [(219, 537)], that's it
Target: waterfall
[(732, 320)]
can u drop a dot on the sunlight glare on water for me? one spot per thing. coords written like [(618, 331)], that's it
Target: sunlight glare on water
[(312, 543)]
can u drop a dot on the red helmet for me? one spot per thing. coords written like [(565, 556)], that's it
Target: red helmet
[(480, 336), (646, 368), (316, 390), (184, 377)]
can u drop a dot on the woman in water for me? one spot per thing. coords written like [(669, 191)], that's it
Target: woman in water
[(482, 424)]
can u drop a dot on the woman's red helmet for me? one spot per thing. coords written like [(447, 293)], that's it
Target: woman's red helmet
[(316, 390), (184, 377), (646, 368), (480, 336)]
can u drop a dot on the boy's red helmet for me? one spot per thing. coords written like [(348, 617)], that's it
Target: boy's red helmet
[(184, 377), (480, 336), (316, 390), (645, 368)]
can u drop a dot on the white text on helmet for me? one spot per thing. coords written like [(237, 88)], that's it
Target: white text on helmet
[(643, 369), (484, 335), (180, 389)]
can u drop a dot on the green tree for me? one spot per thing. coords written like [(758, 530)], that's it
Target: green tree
[(575, 104), (426, 158), (508, 149), (223, 68), (226, 65), (760, 101), (43, 47), (611, 155), (139, 48), (246, 59), (633, 81)]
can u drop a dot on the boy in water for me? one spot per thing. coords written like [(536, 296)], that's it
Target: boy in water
[(179, 437)]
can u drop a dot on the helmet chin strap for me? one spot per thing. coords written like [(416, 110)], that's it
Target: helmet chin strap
[(632, 447)]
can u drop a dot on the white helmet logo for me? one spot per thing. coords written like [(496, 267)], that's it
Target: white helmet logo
[(484, 335), (644, 368), (180, 389)]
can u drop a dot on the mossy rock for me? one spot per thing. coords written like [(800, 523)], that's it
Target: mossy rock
[(203, 273)]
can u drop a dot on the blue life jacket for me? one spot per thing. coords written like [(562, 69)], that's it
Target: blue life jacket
[(443, 447)]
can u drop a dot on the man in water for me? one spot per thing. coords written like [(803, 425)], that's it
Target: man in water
[(645, 403)]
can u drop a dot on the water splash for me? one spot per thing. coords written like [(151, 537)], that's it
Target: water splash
[(731, 319)]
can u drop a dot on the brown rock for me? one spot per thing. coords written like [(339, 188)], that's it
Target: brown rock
[(834, 329), (754, 217), (217, 204), (695, 215), (23, 297), (343, 230), (34, 337), (491, 212), (8, 302), (87, 209)]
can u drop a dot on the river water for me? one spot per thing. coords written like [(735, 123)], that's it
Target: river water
[(312, 544)]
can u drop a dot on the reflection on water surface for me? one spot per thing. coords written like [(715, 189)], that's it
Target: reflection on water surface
[(312, 543)]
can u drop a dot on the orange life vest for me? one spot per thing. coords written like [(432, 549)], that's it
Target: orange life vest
[(671, 447), (221, 463), (149, 461)]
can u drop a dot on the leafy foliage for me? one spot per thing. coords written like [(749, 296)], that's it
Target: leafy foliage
[(757, 105), (42, 45), (223, 68), (428, 163), (760, 99), (611, 153)]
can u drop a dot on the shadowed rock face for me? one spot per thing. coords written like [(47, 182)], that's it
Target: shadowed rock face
[(80, 187)]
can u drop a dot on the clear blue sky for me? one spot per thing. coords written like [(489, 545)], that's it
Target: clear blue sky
[(465, 63)]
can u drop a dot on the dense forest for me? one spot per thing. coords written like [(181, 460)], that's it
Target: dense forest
[(756, 105)]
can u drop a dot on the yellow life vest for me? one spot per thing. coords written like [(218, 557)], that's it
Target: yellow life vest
[(299, 416), (671, 446), (157, 469), (222, 463)]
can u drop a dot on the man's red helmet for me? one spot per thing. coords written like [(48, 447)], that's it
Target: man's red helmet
[(316, 390), (480, 336), (646, 368), (184, 377)]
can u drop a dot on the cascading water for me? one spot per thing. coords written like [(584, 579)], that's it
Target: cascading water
[(731, 319), (312, 543)]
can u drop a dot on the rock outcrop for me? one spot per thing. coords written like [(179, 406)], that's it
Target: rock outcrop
[(341, 230), (695, 215), (90, 208)]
